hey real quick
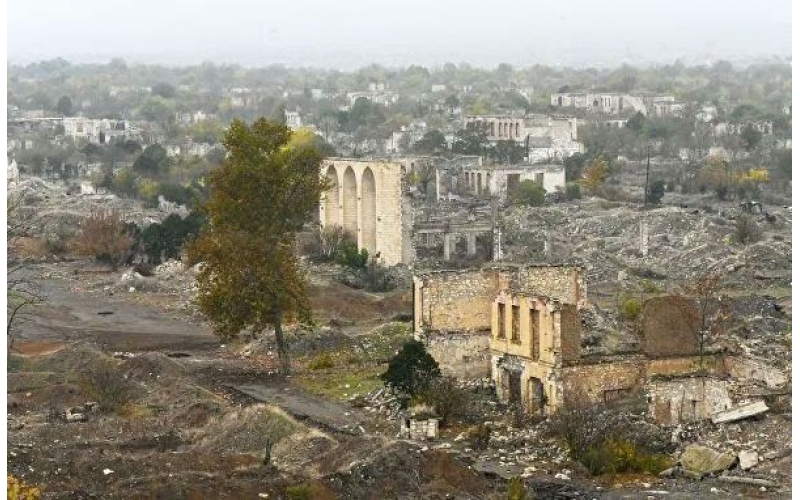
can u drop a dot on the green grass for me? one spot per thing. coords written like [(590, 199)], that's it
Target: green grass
[(343, 383)]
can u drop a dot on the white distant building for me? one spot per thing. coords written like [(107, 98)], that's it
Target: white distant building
[(500, 180), (97, 131), (618, 102), (293, 120), (438, 88), (546, 137)]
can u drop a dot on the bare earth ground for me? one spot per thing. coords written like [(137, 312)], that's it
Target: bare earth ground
[(173, 440)]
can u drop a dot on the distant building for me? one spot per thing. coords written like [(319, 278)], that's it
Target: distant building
[(293, 120), (618, 102), (546, 137), (97, 131)]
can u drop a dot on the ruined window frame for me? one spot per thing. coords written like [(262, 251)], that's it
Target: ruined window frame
[(501, 320), (515, 324)]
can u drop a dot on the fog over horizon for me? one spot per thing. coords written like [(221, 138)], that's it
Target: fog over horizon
[(358, 33)]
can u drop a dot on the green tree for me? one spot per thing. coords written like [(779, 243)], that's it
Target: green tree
[(656, 192), (152, 162), (411, 370), (508, 152), (163, 89), (432, 142), (751, 137), (261, 196), (530, 193), (64, 106), (472, 140)]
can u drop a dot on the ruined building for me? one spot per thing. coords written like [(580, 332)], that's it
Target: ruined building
[(366, 198), (522, 326)]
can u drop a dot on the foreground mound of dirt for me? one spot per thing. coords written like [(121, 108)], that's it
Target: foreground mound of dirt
[(248, 430), (151, 365)]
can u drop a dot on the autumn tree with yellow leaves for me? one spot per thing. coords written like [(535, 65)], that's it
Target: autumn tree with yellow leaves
[(595, 175), (261, 196)]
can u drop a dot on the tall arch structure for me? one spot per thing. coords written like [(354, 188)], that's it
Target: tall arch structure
[(331, 203), (368, 211), (350, 203)]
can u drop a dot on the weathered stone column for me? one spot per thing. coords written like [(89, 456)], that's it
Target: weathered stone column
[(471, 240), (447, 242)]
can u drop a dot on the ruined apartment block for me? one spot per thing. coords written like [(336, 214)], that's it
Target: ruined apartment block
[(452, 309), (537, 360), (366, 199)]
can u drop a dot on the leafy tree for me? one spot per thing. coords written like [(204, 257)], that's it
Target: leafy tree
[(452, 101), (784, 161), (347, 254), (636, 122), (751, 137), (573, 166), (508, 151), (656, 192), (166, 240), (148, 190), (411, 370), (595, 175), (432, 142), (261, 196), (152, 162), (472, 140), (530, 193), (124, 182), (163, 89), (64, 106)]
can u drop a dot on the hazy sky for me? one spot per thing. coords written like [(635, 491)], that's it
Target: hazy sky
[(349, 33)]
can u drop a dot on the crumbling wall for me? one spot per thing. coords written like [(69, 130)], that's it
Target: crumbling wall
[(670, 326), (606, 381), (563, 283), (455, 300), (460, 355), (679, 366), (687, 399), (753, 369), (570, 333)]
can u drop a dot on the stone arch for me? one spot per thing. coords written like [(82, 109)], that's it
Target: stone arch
[(368, 211), (350, 203), (332, 199)]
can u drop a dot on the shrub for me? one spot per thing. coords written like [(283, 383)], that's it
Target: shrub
[(377, 278), (614, 456), (104, 236), (411, 370), (573, 191), (347, 254), (746, 230), (450, 401), (516, 489), (656, 192), (166, 240), (478, 436), (17, 489), (326, 242), (298, 492), (109, 387), (321, 362), (530, 193), (630, 308)]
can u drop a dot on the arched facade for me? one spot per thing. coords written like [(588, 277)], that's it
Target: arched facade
[(368, 210), (350, 204), (331, 199), (366, 200)]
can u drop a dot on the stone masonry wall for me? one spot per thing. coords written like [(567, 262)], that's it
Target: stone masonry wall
[(464, 356), (670, 325)]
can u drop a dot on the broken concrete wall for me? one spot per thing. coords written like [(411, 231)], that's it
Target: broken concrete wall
[(461, 355), (687, 399), (754, 369), (604, 381), (455, 300), (670, 326)]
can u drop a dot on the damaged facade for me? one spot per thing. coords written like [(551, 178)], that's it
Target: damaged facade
[(522, 326)]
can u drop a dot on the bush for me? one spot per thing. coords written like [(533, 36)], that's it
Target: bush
[(377, 278), (326, 243), (321, 362), (411, 370), (347, 254), (614, 456), (630, 308), (299, 492), (746, 230), (516, 489), (104, 236), (656, 192), (17, 489), (166, 240), (109, 387), (573, 191), (478, 436), (450, 401), (530, 193)]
